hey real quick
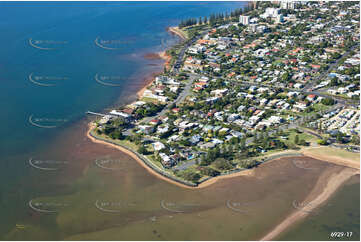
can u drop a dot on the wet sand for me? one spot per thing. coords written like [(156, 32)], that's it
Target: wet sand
[(332, 158), (203, 184), (269, 193), (324, 188), (326, 185), (148, 81), (152, 56), (163, 55), (131, 154)]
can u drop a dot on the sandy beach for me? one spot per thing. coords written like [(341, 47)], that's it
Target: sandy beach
[(149, 81), (325, 187), (165, 57), (175, 30), (328, 182), (333, 159), (131, 154), (205, 183)]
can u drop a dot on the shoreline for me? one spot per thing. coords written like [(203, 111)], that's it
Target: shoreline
[(149, 81), (332, 159), (131, 154), (325, 187), (211, 180), (175, 30), (163, 55), (204, 184)]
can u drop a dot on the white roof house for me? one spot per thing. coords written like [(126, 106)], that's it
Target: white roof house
[(119, 114), (158, 146)]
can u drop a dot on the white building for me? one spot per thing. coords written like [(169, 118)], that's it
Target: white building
[(244, 19), (288, 5), (279, 18), (119, 114), (270, 12), (158, 146)]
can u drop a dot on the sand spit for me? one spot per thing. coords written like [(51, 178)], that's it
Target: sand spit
[(324, 188)]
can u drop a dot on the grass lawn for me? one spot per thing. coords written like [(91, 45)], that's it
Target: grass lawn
[(155, 162), (269, 153), (120, 142), (149, 100), (344, 96), (320, 107), (328, 151), (305, 136), (184, 32)]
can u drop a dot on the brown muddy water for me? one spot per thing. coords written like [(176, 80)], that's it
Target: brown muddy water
[(103, 194)]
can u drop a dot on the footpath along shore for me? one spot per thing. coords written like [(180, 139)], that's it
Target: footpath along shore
[(326, 186), (177, 181), (329, 181), (151, 169)]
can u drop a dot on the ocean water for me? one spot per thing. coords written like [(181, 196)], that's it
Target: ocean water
[(70, 31), (54, 44), (48, 64)]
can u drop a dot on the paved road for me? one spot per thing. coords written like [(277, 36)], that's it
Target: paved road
[(182, 95), (178, 62), (175, 69), (184, 166), (318, 93), (187, 89), (324, 75), (295, 124)]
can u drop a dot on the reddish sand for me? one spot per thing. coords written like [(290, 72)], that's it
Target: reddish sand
[(152, 56), (333, 159), (131, 154), (165, 57), (148, 82)]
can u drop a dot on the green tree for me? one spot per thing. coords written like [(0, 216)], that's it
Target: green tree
[(339, 137), (191, 176), (222, 164), (248, 164), (322, 142), (297, 139), (142, 150), (355, 139), (207, 171), (328, 101)]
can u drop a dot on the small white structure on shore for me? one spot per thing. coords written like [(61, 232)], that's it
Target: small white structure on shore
[(244, 19), (119, 114), (158, 146)]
